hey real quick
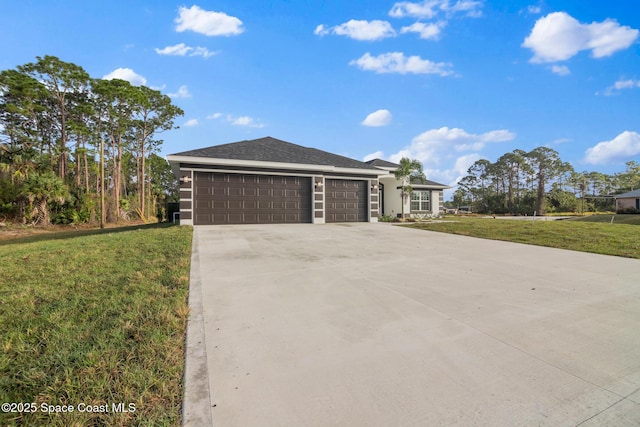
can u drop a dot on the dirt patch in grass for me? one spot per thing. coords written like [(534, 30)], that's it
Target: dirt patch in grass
[(10, 231)]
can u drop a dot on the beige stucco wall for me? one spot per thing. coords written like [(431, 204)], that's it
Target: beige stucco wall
[(622, 204), (392, 200)]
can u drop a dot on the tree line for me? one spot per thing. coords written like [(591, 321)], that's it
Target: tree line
[(537, 182), (78, 149)]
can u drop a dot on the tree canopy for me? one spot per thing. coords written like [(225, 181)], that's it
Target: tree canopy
[(539, 181), (98, 137)]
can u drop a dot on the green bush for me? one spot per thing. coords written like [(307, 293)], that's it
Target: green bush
[(629, 210)]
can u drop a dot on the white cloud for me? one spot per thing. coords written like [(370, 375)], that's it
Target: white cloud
[(429, 147), (459, 170), (417, 10), (191, 123), (534, 10), (237, 120), (619, 85), (378, 118), (561, 70), (626, 84), (558, 37), (396, 62), (431, 8), (321, 30), (183, 92), (429, 31), (245, 121), (203, 51), (470, 7), (359, 30), (372, 156), (463, 163), (426, 9), (559, 141), (182, 49), (126, 74), (435, 146), (241, 121), (619, 149), (207, 22)]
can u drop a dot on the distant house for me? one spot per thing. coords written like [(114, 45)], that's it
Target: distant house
[(628, 201), (426, 199)]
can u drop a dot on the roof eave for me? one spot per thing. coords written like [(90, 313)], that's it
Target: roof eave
[(175, 161), (386, 168), (428, 187), (628, 195)]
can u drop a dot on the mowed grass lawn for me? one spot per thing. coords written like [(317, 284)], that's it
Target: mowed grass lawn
[(597, 237), (93, 321)]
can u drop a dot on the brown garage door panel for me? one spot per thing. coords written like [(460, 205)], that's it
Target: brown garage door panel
[(346, 200), (251, 199)]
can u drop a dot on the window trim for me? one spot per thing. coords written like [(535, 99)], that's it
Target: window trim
[(421, 200)]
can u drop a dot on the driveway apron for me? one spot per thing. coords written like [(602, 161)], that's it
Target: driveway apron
[(379, 325)]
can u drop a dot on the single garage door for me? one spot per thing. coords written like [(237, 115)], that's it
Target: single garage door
[(345, 200), (223, 198)]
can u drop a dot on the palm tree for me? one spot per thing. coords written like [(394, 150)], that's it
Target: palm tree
[(408, 169), (42, 189)]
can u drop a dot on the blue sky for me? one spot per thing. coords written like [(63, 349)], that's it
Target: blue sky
[(443, 81)]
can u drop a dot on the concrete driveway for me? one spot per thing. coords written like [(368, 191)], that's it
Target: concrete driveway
[(378, 325)]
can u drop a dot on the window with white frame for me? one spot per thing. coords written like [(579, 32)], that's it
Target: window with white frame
[(420, 201)]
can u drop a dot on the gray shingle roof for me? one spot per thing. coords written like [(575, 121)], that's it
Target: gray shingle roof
[(270, 149), (631, 194), (426, 182), (382, 163)]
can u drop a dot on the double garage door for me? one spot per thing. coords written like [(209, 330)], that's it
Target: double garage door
[(223, 198)]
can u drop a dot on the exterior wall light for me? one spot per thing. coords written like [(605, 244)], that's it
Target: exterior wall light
[(185, 179), (374, 187), (318, 184)]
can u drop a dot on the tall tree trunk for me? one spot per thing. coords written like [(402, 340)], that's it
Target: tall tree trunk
[(86, 170), (540, 196), (63, 140), (103, 215), (77, 169), (118, 177), (115, 184), (143, 178)]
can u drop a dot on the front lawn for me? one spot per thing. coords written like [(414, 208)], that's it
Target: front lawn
[(602, 238), (95, 322), (610, 219)]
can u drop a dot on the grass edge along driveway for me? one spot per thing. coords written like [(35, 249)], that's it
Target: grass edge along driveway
[(601, 238), (93, 321)]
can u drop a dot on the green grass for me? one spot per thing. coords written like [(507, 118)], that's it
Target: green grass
[(602, 238), (617, 219), (98, 318)]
